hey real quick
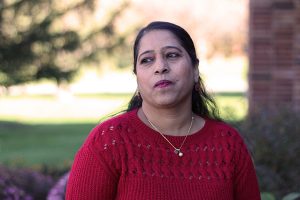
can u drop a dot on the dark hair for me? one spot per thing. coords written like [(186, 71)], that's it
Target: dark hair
[(202, 104)]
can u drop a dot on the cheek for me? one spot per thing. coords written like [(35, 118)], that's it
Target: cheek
[(141, 80), (187, 76), (140, 73), (185, 71)]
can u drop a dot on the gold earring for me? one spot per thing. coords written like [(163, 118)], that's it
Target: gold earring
[(138, 94), (197, 86)]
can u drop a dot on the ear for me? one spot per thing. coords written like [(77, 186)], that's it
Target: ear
[(196, 72), (137, 82), (138, 88)]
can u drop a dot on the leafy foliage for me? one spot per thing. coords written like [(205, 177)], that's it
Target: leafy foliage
[(23, 184), (273, 138), (37, 40), (59, 189)]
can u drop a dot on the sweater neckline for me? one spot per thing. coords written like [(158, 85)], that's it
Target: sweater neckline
[(148, 132)]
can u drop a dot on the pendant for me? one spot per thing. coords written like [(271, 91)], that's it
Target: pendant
[(177, 151)]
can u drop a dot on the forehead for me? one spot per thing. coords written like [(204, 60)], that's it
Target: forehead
[(157, 39)]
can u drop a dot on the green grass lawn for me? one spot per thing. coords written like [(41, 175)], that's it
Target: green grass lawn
[(52, 140), (232, 106), (41, 144)]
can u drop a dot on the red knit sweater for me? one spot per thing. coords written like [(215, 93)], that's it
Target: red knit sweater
[(124, 159)]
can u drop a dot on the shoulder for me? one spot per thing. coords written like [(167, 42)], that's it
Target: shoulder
[(223, 132), (221, 128), (115, 122), (110, 130)]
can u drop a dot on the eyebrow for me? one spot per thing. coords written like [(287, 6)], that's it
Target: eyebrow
[(164, 48)]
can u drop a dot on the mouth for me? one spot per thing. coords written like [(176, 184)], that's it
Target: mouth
[(163, 84)]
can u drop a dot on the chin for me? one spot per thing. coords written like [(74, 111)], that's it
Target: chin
[(166, 102)]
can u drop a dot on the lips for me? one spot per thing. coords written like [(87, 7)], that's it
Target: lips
[(163, 83)]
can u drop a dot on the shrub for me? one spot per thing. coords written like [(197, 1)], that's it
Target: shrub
[(23, 184), (273, 137), (58, 191)]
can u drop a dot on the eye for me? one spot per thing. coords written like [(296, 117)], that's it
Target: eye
[(146, 60), (173, 55)]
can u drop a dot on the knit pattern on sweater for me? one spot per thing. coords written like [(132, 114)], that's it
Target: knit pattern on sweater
[(124, 159)]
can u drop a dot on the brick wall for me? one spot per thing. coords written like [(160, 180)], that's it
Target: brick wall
[(274, 52)]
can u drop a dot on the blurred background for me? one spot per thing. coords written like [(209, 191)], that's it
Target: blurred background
[(66, 65)]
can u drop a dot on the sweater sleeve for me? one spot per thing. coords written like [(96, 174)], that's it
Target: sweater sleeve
[(246, 185), (90, 176)]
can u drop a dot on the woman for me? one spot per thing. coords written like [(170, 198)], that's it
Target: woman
[(169, 144)]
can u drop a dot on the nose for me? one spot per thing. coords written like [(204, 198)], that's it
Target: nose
[(161, 66)]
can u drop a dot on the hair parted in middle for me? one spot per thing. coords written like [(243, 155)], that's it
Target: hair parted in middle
[(202, 103)]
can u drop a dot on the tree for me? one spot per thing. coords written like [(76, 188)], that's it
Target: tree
[(36, 40)]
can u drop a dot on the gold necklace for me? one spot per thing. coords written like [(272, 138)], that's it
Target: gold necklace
[(176, 150)]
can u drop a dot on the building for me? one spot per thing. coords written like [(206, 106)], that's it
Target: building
[(274, 54)]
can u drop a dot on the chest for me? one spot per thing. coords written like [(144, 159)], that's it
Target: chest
[(201, 162)]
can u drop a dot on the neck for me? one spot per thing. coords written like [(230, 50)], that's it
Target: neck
[(169, 121)]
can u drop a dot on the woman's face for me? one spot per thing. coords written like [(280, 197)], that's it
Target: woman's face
[(165, 74)]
